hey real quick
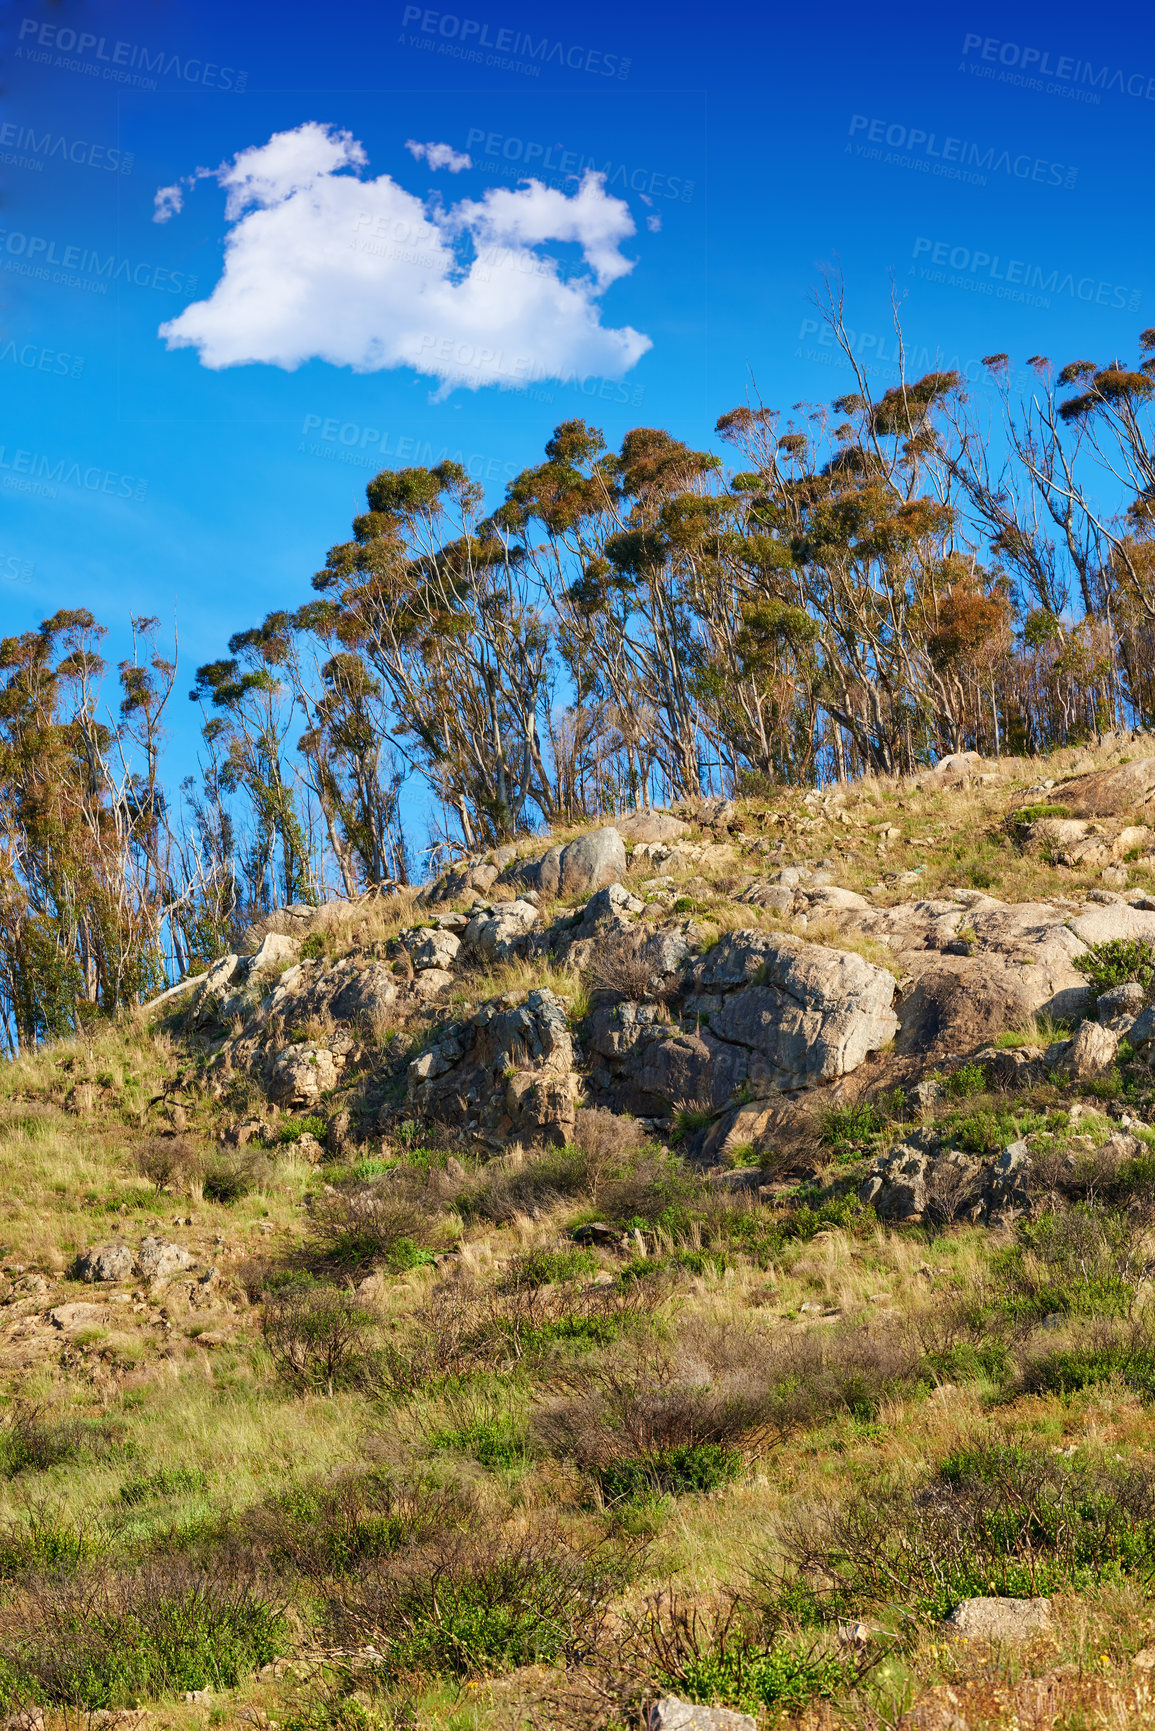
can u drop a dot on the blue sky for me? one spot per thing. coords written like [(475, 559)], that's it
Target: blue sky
[(994, 161)]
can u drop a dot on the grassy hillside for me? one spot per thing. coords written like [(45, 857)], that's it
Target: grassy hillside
[(401, 1444)]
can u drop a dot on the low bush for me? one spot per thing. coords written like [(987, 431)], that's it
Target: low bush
[(675, 1471), (994, 1519), (723, 1655), (33, 1440), (319, 1336), (378, 1224), (851, 1129), (1080, 1261), (496, 1440), (967, 1080), (1104, 1352), (331, 1527), (104, 1640), (724, 1388), (548, 1267), (230, 1175), (462, 1329), (164, 1482), (308, 1125), (1117, 962), (172, 1161), (474, 1602)]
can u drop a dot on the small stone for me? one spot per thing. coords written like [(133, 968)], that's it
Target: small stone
[(998, 1619), (672, 1714), (105, 1262)]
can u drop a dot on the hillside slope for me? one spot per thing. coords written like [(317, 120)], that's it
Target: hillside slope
[(691, 1257)]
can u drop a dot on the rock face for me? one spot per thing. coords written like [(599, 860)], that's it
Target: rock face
[(158, 1260), (1109, 792), (807, 1014), (496, 936), (998, 1619), (671, 1714), (509, 1069), (301, 1074), (434, 949), (1092, 1051), (583, 866), (649, 826), (105, 1262)]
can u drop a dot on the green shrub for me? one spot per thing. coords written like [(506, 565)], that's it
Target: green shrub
[(548, 1267), (474, 1602), (967, 1080), (106, 1640), (671, 1472), (33, 1440), (1116, 962), (786, 1676), (319, 1336), (308, 1125), (994, 1519), (497, 1442), (847, 1128), (1084, 1262)]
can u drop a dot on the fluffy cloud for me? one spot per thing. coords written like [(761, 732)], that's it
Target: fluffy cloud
[(322, 264), (439, 155)]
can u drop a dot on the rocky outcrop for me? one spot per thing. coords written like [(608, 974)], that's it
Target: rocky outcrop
[(1109, 792), (510, 1069), (806, 1014), (156, 1261), (301, 1074), (650, 826), (495, 936)]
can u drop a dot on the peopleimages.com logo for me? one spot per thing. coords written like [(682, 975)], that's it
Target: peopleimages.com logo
[(118, 62), (37, 255), (1031, 66), (25, 147), (538, 159), (991, 274), (468, 38), (956, 158)]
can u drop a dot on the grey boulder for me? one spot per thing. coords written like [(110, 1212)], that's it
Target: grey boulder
[(105, 1262), (998, 1619), (157, 1259), (809, 1014), (672, 1714), (583, 866)]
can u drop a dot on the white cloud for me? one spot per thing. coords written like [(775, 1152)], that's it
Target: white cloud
[(439, 155), (321, 264)]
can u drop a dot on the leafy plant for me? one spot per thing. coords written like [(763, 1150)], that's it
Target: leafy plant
[(1116, 962)]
